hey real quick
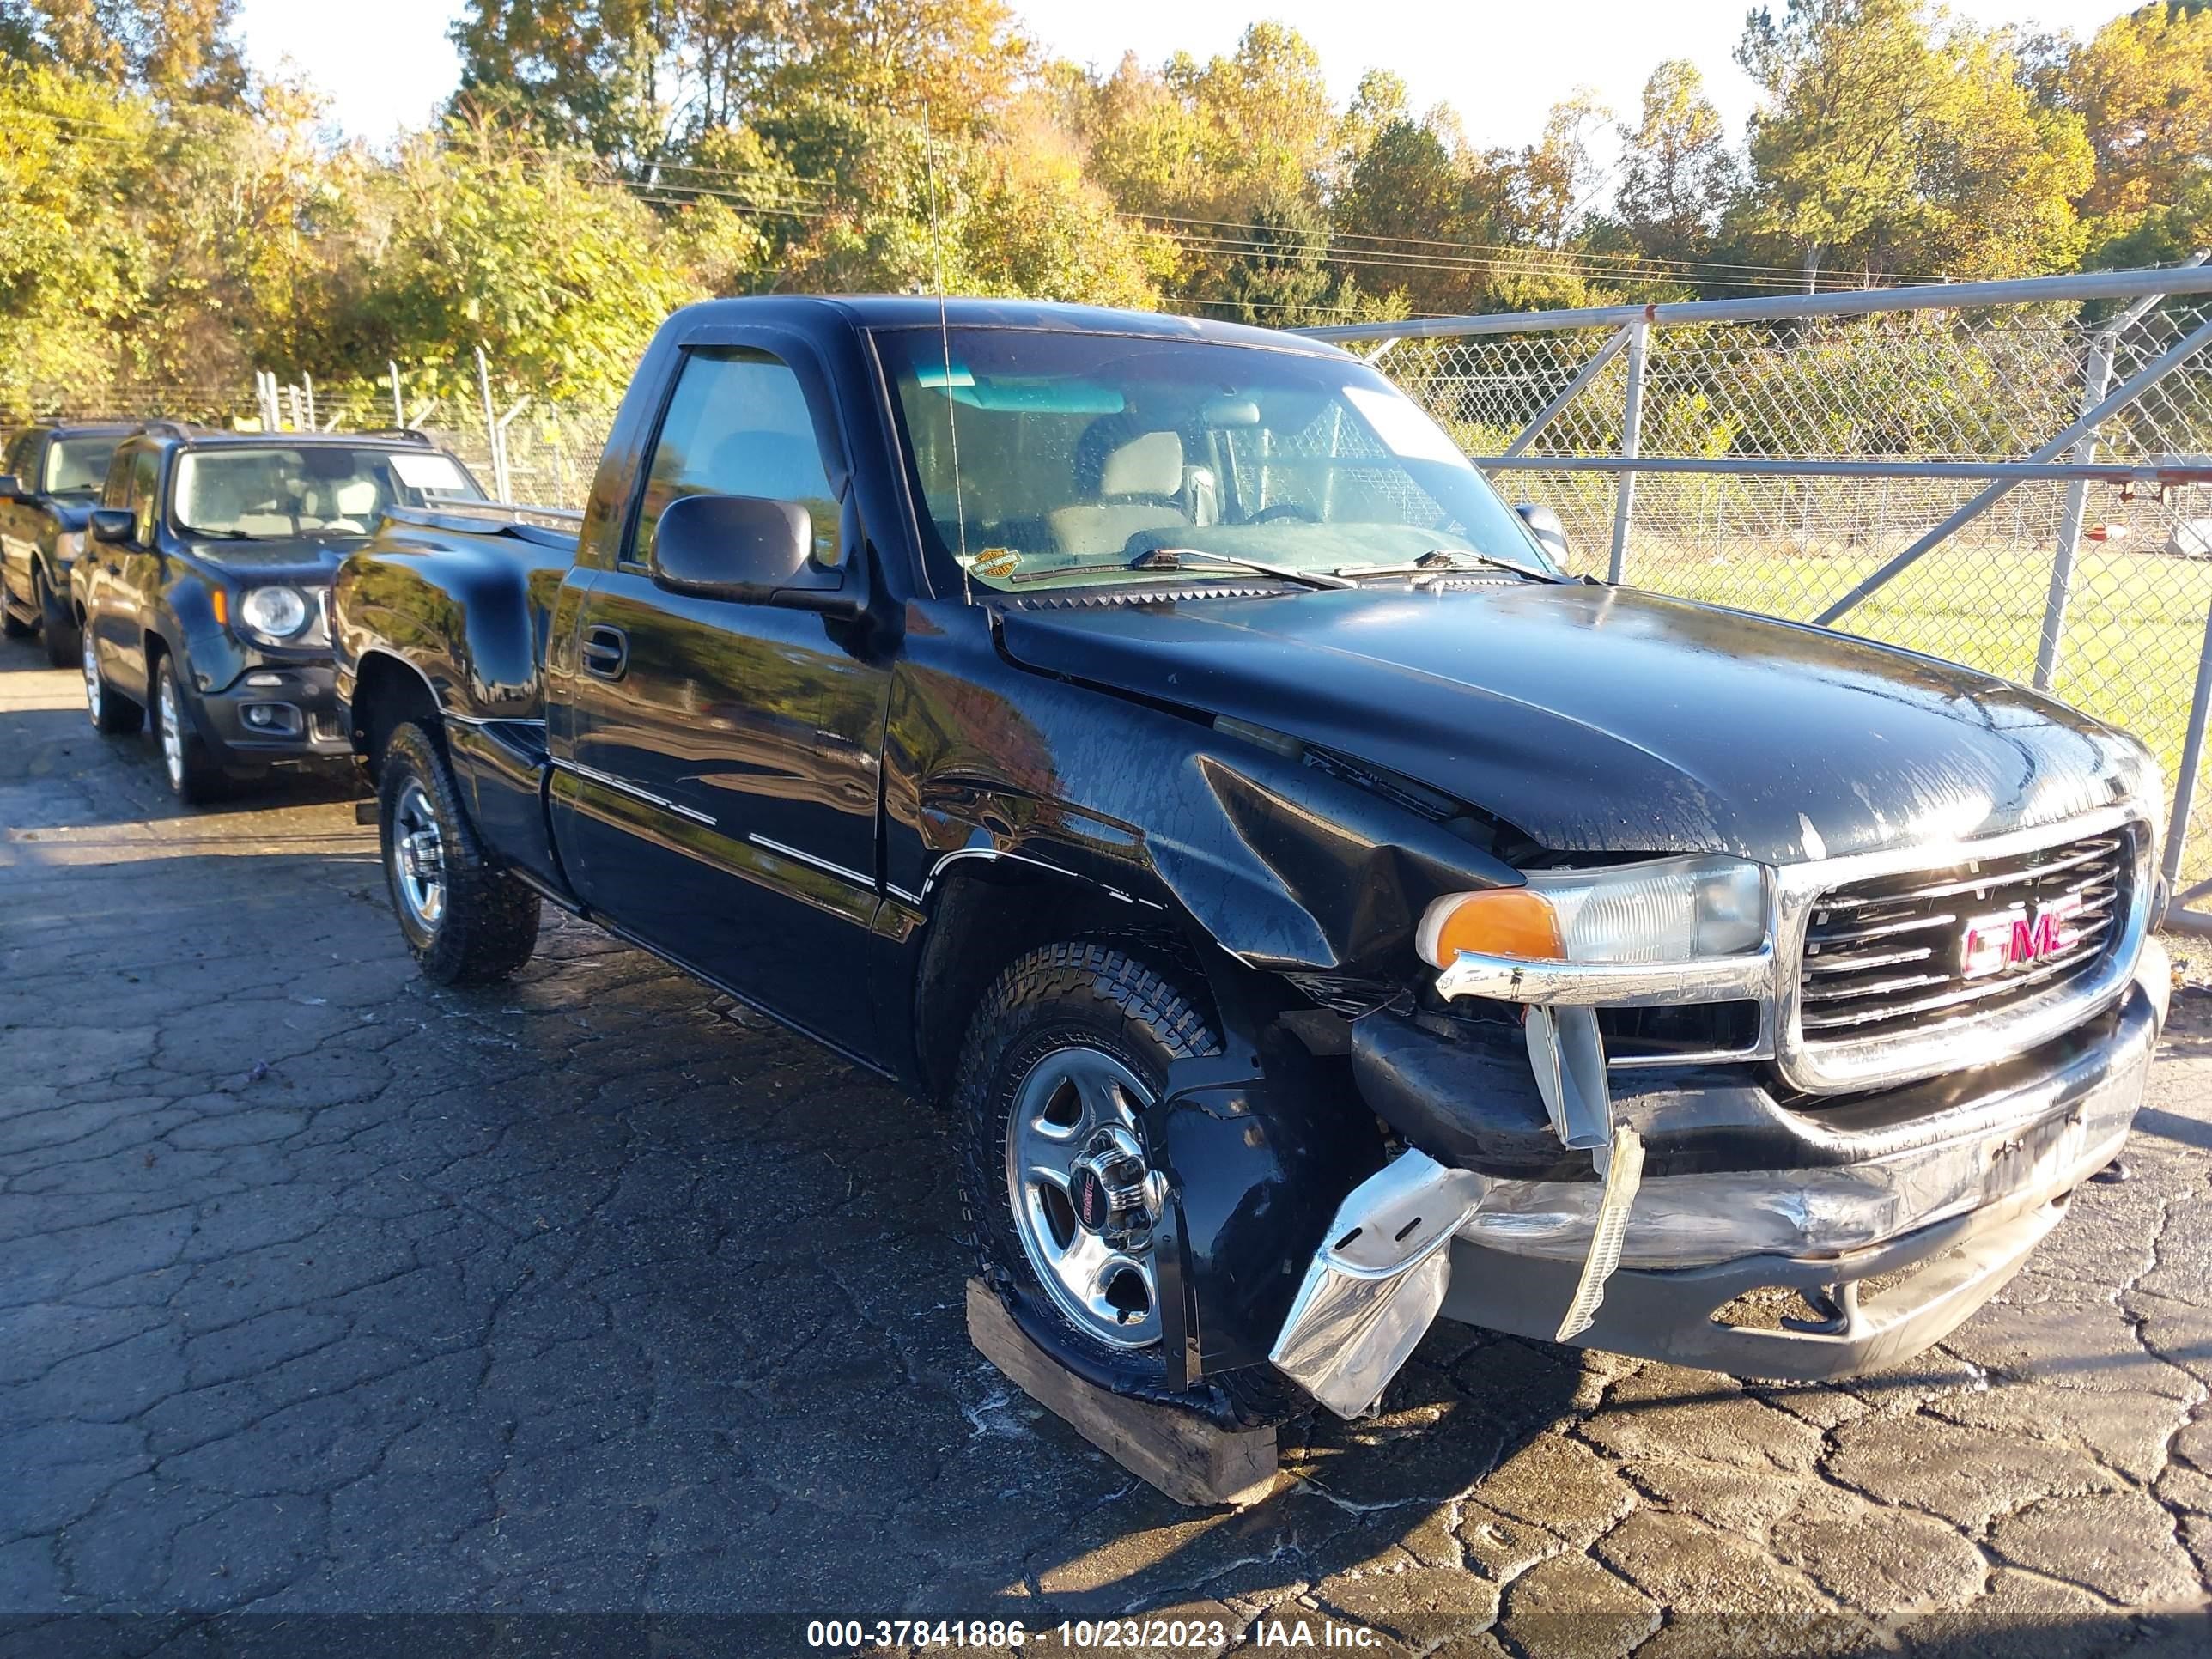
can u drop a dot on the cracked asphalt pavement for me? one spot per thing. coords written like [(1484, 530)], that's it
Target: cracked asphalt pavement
[(323, 1290)]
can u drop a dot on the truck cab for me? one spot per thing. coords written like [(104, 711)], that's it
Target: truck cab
[(1152, 741)]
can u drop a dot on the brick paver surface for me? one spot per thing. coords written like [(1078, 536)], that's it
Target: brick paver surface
[(324, 1290)]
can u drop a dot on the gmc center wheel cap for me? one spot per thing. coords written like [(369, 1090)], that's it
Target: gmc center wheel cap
[(1084, 1195)]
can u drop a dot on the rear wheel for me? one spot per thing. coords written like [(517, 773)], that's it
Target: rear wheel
[(54, 623), (194, 777), (113, 714), (466, 921)]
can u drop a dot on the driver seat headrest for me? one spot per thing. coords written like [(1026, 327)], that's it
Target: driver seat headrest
[(1150, 464)]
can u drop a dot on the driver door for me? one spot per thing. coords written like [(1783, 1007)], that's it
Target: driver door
[(121, 580), (720, 795)]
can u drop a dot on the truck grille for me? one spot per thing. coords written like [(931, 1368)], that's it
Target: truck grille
[(1887, 956)]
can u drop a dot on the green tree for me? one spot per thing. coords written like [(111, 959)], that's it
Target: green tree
[(1885, 142), (179, 51), (1557, 175), (580, 74), (1847, 83), (1676, 172), (2143, 87), (559, 274)]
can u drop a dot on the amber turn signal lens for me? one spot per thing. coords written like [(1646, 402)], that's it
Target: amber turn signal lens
[(221, 601), (1507, 922)]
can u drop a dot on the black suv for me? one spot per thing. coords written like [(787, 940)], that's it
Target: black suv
[(50, 476), (201, 594)]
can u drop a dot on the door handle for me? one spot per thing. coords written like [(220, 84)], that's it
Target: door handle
[(605, 651)]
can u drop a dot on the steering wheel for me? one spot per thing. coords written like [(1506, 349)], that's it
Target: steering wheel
[(1285, 510)]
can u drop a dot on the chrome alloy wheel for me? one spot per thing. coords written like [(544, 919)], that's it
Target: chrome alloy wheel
[(418, 858), (92, 692), (171, 719), (1085, 1199)]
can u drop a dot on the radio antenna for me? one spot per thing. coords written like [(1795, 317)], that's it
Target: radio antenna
[(945, 341)]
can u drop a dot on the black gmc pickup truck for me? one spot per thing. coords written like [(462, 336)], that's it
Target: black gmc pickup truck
[(1155, 741)]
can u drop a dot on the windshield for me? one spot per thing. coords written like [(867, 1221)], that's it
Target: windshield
[(322, 489), (78, 466), (1078, 453)]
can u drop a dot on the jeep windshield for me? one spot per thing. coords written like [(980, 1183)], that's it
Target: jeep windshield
[(1051, 460), (253, 492)]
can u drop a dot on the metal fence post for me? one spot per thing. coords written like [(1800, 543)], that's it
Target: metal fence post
[(398, 400), (491, 428), (2192, 760), (1631, 434), (2096, 382)]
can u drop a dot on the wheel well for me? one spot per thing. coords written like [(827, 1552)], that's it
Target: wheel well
[(989, 913), (386, 695)]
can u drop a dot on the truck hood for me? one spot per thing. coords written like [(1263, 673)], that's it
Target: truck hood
[(1604, 720)]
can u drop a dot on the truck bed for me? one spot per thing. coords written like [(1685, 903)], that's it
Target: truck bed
[(461, 597)]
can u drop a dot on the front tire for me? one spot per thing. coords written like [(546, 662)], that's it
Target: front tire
[(465, 922), (54, 623), (195, 776), (113, 714), (1068, 1050)]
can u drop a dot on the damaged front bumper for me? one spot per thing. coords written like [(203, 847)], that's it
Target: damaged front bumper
[(1938, 1190)]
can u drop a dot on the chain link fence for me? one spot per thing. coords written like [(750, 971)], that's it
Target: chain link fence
[(1696, 452)]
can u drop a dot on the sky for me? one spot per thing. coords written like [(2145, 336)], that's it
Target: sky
[(1502, 63)]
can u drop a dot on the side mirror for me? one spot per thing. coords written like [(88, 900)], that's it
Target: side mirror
[(115, 525), (11, 488), (1544, 525), (746, 549)]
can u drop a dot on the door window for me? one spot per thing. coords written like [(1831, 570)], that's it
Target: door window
[(141, 484), (22, 450), (738, 425)]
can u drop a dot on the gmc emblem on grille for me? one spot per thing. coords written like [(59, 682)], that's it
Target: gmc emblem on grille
[(2018, 937)]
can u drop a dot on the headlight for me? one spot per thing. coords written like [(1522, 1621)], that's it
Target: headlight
[(1664, 911), (275, 613), (67, 544)]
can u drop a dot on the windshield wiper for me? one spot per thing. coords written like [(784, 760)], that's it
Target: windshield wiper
[(1438, 560), (216, 535), (1181, 558), (1173, 558)]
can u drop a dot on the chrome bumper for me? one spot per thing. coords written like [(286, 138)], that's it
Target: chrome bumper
[(1955, 1218), (1373, 1288)]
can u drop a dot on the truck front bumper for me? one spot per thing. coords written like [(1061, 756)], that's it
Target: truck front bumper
[(1892, 1217)]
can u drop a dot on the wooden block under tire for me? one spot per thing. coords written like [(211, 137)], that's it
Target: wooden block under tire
[(1179, 1452)]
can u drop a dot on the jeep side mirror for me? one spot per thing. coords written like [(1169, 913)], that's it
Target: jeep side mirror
[(1544, 525), (11, 487), (749, 550), (115, 525)]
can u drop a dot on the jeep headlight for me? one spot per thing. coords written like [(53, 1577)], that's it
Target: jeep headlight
[(1654, 912), (274, 613), (68, 545)]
